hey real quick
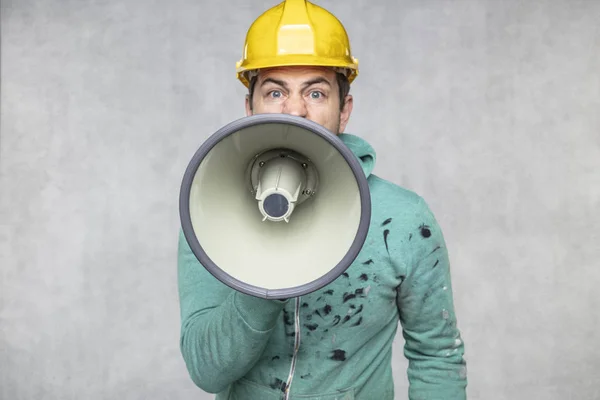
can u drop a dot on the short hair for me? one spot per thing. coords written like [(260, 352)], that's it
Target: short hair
[(342, 81)]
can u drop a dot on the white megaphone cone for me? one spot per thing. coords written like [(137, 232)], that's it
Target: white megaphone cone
[(275, 206)]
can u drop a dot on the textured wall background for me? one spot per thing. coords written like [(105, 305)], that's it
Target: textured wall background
[(489, 109)]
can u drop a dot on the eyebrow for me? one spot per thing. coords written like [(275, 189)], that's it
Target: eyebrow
[(306, 84)]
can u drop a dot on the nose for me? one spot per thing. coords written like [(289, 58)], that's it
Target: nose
[(295, 105)]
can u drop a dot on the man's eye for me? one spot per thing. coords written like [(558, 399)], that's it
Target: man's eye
[(316, 95), (275, 93)]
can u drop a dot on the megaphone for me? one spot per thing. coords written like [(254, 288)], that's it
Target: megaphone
[(275, 206)]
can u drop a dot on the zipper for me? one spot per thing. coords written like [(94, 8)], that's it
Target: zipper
[(286, 393)]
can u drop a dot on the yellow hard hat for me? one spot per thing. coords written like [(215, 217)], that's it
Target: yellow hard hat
[(296, 32)]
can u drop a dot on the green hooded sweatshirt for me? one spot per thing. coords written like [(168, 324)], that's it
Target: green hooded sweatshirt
[(242, 347)]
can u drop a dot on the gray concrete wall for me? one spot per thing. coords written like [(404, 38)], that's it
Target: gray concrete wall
[(489, 109)]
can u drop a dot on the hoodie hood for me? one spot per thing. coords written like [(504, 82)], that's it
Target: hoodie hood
[(362, 150)]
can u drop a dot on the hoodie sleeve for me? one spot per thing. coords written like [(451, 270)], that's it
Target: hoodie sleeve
[(433, 344), (223, 331)]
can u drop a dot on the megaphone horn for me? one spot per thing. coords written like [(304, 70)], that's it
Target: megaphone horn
[(275, 206)]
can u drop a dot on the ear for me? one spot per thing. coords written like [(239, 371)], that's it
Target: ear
[(248, 106), (345, 113)]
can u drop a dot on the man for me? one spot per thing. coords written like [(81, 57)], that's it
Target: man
[(297, 61)]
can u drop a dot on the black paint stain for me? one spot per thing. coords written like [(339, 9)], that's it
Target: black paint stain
[(308, 317), (345, 274), (326, 330), (409, 237), (401, 277), (336, 320), (275, 358), (352, 306), (358, 292), (387, 221), (434, 250), (320, 298), (325, 310), (286, 318), (425, 232), (291, 334), (348, 317), (311, 327), (348, 296), (369, 261), (363, 277), (306, 376), (357, 323), (385, 236), (304, 305), (278, 384), (330, 291), (338, 355), (436, 263)]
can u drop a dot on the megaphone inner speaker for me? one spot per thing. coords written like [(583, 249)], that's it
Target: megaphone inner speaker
[(256, 245)]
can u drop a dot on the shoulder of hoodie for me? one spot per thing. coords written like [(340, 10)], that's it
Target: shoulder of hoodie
[(387, 194)]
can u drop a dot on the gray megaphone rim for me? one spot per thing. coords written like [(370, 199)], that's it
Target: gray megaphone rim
[(208, 264)]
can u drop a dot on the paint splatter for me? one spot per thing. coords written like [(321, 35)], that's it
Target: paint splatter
[(387, 221), (436, 263), (338, 355), (306, 376), (286, 318), (330, 291), (369, 261), (436, 249), (348, 296), (325, 310), (425, 232), (357, 323), (385, 236), (304, 305), (363, 277), (275, 358), (311, 327), (346, 274), (409, 237), (278, 384), (336, 320)]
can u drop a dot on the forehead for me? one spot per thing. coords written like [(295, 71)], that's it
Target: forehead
[(297, 74)]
